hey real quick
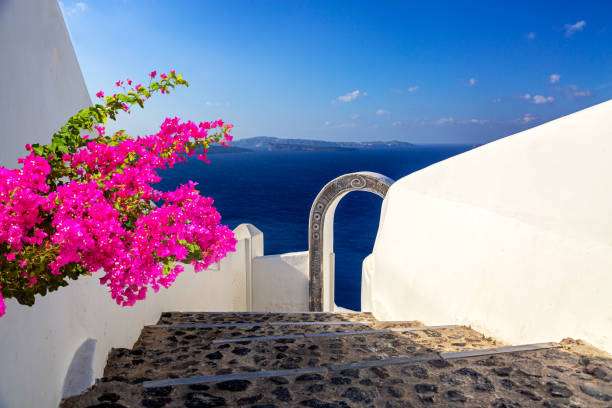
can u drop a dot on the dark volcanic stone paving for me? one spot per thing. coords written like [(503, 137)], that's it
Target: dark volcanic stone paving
[(576, 375), (455, 339), (173, 361), (163, 353), (546, 378), (199, 335), (177, 317)]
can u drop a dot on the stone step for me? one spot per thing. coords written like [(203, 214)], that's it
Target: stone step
[(153, 336), (197, 356), (337, 333), (259, 317), (558, 377), (357, 365), (206, 358), (263, 324)]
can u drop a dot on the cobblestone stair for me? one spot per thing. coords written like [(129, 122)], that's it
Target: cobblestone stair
[(336, 360)]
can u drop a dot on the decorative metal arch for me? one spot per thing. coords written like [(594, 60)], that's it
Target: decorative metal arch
[(321, 220)]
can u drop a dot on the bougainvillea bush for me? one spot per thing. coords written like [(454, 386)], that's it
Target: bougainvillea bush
[(86, 202)]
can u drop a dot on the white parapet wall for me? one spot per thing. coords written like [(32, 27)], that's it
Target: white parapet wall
[(513, 238), (280, 283), (60, 345)]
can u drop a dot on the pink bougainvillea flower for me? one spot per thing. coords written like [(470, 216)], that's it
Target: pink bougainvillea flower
[(100, 94), (28, 147), (153, 74), (100, 217), (138, 86), (172, 72), (101, 130), (163, 76), (119, 83), (125, 107), (2, 305), (129, 81)]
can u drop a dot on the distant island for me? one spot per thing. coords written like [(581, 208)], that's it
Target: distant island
[(270, 144)]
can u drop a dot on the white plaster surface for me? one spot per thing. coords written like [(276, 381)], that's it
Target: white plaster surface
[(41, 81), (254, 240), (513, 238), (280, 283), (38, 344)]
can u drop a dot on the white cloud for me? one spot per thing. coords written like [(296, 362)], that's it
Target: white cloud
[(530, 36), (355, 116), (577, 92), (537, 99), (70, 11), (496, 100), (444, 121), (582, 92), (351, 96), (381, 112), (540, 99), (528, 117), (345, 125), (472, 81), (475, 121), (211, 103), (554, 78), (570, 29), (397, 91), (413, 88), (328, 124), (396, 123)]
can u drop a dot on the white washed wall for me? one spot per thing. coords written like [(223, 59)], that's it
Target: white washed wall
[(280, 283), (38, 344), (514, 238), (40, 77)]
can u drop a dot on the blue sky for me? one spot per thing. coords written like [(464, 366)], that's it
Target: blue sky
[(424, 72)]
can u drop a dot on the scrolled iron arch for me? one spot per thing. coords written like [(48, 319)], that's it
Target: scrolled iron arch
[(321, 216)]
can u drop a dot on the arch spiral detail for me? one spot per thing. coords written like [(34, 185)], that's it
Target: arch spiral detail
[(328, 198)]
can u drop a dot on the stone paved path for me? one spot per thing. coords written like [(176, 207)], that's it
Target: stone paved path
[(321, 361)]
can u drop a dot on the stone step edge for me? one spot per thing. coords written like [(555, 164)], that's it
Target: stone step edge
[(236, 376), (264, 313), (419, 328), (361, 364), (299, 336), (332, 334), (213, 325)]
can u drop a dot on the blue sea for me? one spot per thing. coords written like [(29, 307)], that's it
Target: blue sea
[(275, 190)]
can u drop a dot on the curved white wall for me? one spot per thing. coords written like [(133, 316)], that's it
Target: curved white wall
[(514, 238), (41, 81)]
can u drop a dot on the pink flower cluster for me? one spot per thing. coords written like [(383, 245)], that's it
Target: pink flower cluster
[(2, 305), (103, 218)]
